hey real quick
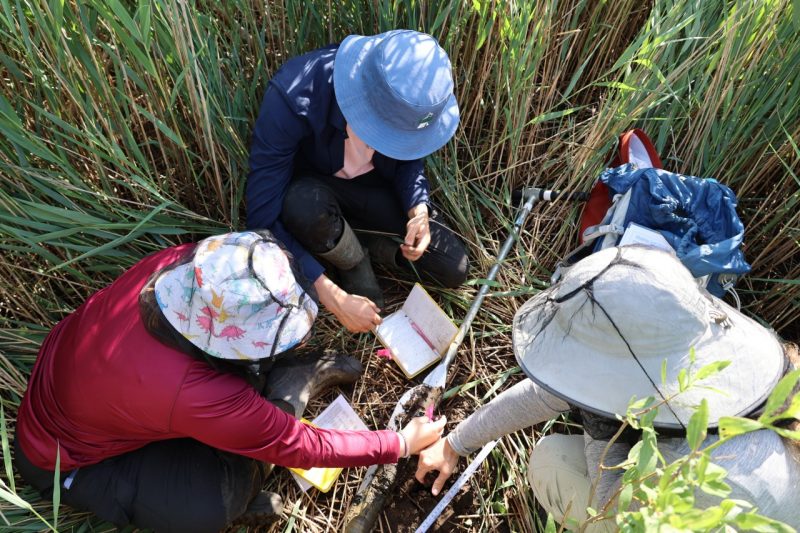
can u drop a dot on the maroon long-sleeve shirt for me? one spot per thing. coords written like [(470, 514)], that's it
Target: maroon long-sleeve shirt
[(103, 386)]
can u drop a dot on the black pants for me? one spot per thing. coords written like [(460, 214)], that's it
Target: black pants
[(177, 485), (315, 205)]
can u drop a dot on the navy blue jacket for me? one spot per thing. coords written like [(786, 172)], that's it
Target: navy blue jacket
[(301, 128)]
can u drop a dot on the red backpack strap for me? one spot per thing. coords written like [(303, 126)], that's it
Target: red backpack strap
[(636, 147), (633, 146)]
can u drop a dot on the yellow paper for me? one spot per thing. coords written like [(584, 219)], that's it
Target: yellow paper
[(338, 415)]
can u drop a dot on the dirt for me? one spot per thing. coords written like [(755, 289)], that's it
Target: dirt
[(412, 502)]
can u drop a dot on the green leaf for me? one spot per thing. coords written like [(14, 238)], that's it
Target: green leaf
[(6, 448), (484, 281), (700, 520), (796, 14), (716, 488), (710, 369), (57, 486), (683, 380), (754, 522), (550, 527), (13, 499), (664, 372), (698, 426), (625, 497), (648, 455), (787, 433), (730, 426), (779, 396), (553, 115)]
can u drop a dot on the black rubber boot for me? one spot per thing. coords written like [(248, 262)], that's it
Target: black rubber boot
[(361, 280), (355, 270), (265, 508), (382, 250), (294, 381)]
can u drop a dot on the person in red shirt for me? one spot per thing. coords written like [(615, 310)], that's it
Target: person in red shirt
[(163, 397)]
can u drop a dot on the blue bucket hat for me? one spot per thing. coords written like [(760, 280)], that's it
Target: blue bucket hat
[(395, 90)]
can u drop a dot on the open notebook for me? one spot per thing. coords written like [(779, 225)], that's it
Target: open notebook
[(338, 415), (418, 334)]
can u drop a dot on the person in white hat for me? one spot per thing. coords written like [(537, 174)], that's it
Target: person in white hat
[(338, 146), (163, 397), (599, 337)]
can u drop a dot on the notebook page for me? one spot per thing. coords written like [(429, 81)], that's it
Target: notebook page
[(434, 323), (409, 350), (338, 415)]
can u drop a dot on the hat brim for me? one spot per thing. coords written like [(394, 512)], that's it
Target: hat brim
[(235, 330), (351, 88), (604, 383)]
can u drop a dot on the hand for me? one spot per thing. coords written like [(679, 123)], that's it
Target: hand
[(440, 456), (421, 433), (356, 313), (418, 233)]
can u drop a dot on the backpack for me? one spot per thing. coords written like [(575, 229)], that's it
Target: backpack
[(636, 201)]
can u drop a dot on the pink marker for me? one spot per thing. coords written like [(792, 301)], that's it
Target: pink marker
[(384, 352)]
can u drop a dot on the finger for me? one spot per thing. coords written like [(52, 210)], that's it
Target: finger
[(412, 253), (440, 423), (422, 471), (444, 473), (424, 241), (404, 249), (411, 236)]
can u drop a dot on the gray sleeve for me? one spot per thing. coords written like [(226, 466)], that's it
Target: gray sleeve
[(521, 406), (609, 480)]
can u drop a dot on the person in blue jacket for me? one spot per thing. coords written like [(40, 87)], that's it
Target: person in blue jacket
[(338, 145)]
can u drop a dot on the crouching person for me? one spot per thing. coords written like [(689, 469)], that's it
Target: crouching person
[(165, 395), (599, 337), (338, 146)]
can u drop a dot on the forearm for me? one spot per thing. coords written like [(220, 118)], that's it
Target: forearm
[(328, 448), (330, 294), (521, 406), (226, 413)]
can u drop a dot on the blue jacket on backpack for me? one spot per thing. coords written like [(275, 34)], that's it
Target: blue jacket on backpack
[(696, 216)]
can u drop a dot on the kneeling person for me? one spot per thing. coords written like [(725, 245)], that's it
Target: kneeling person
[(164, 396), (598, 338), (338, 146)]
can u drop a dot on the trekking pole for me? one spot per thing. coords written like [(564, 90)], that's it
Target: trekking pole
[(380, 479)]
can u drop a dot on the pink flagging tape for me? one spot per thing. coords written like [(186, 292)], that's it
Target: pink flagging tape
[(429, 412), (385, 353)]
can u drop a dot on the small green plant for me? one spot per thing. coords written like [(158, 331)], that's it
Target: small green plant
[(658, 496)]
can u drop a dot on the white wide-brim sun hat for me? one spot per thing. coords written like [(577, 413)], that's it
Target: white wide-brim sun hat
[(395, 90), (238, 298), (600, 336)]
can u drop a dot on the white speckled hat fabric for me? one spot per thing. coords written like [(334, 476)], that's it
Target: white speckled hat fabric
[(237, 298), (600, 335)]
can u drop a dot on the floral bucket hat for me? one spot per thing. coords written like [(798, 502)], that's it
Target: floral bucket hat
[(237, 298)]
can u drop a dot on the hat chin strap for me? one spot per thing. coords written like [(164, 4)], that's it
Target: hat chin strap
[(635, 358)]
